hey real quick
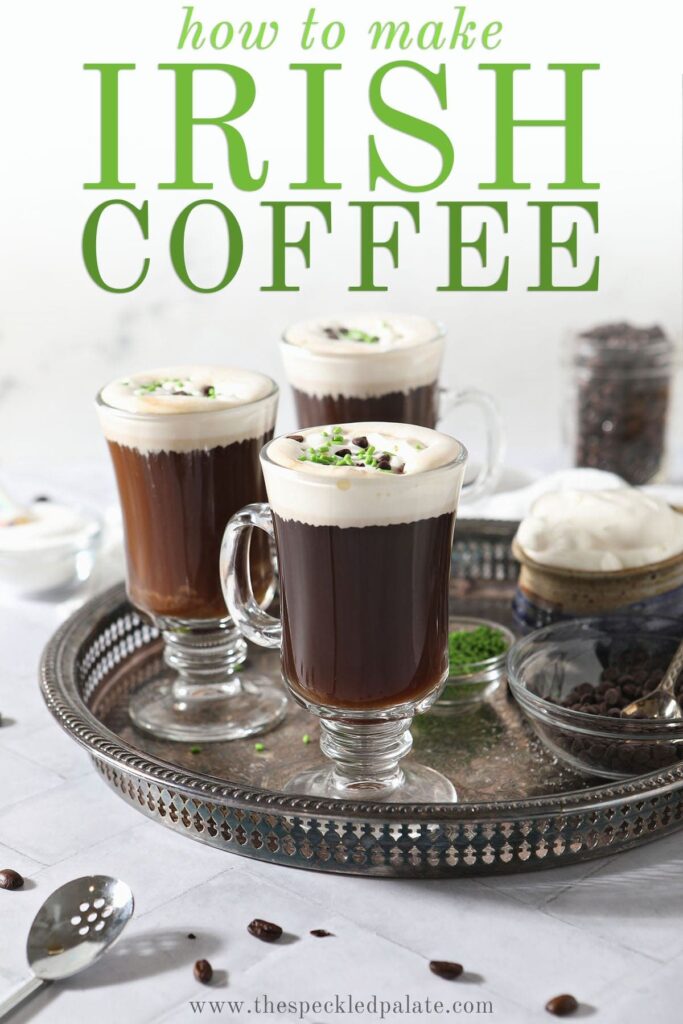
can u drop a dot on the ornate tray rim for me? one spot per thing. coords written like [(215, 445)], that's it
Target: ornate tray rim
[(67, 706)]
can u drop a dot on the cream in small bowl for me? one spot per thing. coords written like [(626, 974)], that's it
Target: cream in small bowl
[(590, 552)]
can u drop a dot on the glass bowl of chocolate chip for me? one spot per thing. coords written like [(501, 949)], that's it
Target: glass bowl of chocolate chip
[(572, 680)]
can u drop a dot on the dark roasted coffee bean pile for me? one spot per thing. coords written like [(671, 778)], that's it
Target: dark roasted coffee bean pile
[(623, 385), (624, 680), (627, 675)]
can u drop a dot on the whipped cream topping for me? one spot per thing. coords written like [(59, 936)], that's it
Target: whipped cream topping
[(363, 474), (47, 525), (601, 531), (362, 354), (182, 408)]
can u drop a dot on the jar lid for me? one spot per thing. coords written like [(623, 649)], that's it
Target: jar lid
[(622, 346)]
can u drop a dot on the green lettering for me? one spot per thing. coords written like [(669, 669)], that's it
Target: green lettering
[(315, 126), (369, 243), (409, 125), (281, 243), (456, 244), (572, 123), (109, 125), (235, 246), (90, 243), (238, 162), (547, 244)]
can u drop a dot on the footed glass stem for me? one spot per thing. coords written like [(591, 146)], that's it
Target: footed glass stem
[(367, 765), (202, 697)]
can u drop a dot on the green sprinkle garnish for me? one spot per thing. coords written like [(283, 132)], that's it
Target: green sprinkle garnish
[(467, 648), (195, 750), (259, 748), (306, 738), (357, 335)]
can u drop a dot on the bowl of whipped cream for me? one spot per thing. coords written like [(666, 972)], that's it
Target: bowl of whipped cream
[(48, 548), (597, 552)]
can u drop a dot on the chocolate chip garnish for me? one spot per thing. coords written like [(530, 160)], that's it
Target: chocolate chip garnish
[(446, 969), (295, 437), (41, 497), (203, 971), (186, 394), (320, 933), (562, 1005), (361, 442), (264, 930), (331, 333), (191, 935), (10, 879), (341, 452)]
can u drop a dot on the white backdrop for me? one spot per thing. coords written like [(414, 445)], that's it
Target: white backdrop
[(61, 336)]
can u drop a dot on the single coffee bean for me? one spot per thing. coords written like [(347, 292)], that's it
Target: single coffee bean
[(361, 442), (562, 1005), (10, 879), (264, 930), (320, 933), (203, 971), (295, 437), (445, 969)]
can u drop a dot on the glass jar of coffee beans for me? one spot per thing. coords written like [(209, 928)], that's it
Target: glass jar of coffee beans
[(620, 380)]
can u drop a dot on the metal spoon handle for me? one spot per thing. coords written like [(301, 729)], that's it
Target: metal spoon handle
[(668, 683), (26, 989)]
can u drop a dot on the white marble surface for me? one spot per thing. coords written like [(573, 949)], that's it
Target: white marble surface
[(609, 931)]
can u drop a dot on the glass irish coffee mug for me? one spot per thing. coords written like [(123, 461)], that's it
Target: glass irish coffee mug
[(362, 516), (185, 445), (382, 367)]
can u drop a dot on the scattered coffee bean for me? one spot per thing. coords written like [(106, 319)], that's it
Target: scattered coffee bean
[(562, 1005), (191, 935), (295, 437), (320, 933), (360, 442), (264, 930), (10, 879), (445, 969), (203, 971)]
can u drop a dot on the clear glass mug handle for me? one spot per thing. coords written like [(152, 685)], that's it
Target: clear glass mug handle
[(486, 478), (252, 621)]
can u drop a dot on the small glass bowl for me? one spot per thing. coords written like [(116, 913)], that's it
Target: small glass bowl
[(549, 663), (482, 678), (53, 566)]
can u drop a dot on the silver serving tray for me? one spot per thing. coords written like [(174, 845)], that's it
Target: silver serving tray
[(519, 809)]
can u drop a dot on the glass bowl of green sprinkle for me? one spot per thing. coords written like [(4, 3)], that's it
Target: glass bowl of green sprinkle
[(477, 652)]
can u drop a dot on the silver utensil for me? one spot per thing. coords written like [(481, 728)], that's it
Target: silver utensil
[(72, 929), (661, 703)]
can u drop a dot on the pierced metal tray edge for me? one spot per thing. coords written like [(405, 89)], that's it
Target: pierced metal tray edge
[(65, 703)]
